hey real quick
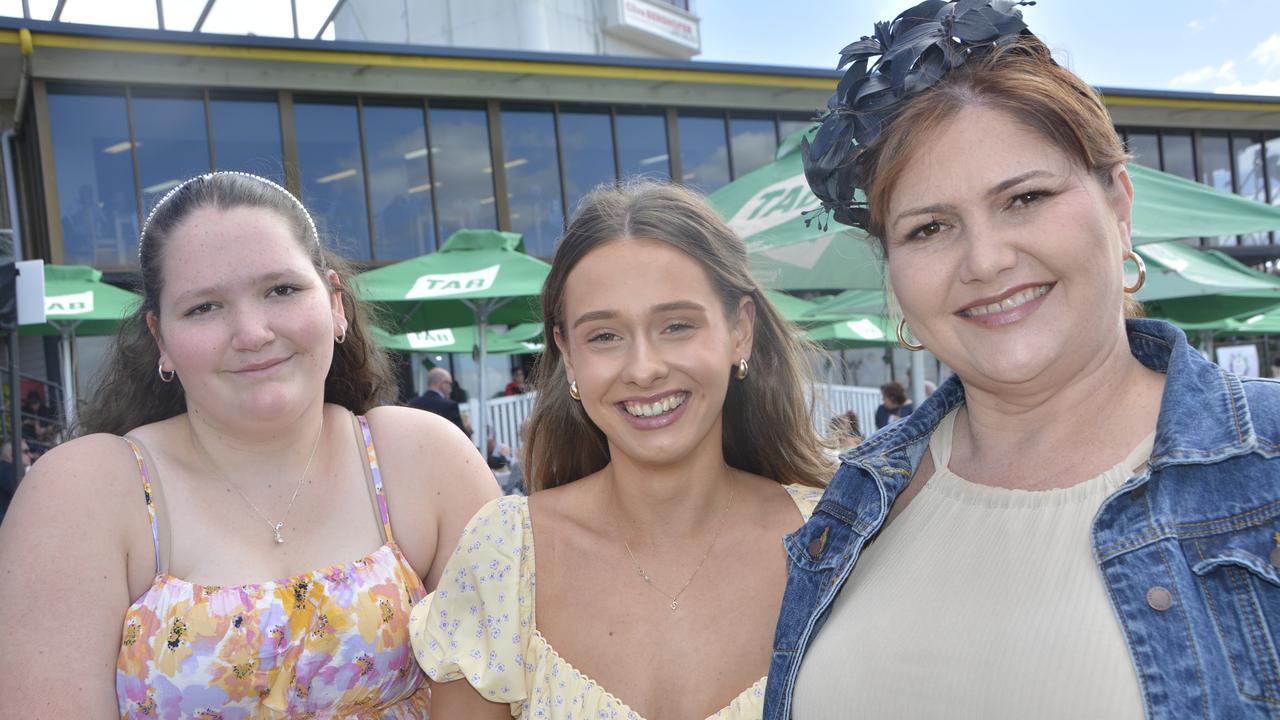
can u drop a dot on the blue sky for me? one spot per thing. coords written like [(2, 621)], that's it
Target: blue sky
[(1230, 46)]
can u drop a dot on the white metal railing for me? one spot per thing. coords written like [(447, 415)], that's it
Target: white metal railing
[(506, 415)]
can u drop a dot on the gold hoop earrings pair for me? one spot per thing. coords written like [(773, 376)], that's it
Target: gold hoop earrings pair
[(168, 378), (1142, 272), (743, 369), (573, 390), (902, 338)]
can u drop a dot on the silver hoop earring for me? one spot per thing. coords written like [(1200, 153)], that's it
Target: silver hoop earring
[(163, 377)]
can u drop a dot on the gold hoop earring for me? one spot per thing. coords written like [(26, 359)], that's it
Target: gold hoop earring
[(573, 390), (341, 337), (742, 369), (902, 337), (165, 378), (1142, 272)]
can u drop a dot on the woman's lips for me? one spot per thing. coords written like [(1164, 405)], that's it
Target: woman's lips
[(1009, 307)]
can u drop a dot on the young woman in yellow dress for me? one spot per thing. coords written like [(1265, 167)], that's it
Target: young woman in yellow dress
[(669, 451)]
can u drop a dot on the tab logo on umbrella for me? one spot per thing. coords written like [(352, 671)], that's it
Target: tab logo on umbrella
[(773, 205), (74, 304), (446, 284), (431, 339)]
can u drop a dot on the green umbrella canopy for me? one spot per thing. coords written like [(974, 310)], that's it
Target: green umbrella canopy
[(798, 311), (858, 331), (853, 302), (1264, 323), (1187, 285), (764, 207), (462, 340), (475, 271), (77, 300)]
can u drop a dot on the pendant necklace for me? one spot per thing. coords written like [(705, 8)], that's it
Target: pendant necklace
[(277, 528), (674, 598)]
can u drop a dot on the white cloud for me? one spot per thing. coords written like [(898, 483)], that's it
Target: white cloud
[(1226, 71), (1262, 87), (1195, 26), (1267, 53)]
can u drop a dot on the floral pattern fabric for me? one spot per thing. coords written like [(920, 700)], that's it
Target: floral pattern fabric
[(479, 625), (330, 643)]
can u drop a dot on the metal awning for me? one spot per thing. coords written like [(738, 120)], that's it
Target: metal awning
[(309, 19)]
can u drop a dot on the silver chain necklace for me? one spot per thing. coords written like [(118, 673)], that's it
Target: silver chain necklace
[(277, 528), (674, 598)]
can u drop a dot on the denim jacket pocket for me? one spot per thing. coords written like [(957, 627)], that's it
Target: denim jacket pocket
[(1241, 588)]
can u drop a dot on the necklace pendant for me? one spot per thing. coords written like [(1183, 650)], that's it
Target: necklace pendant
[(278, 529), (675, 605)]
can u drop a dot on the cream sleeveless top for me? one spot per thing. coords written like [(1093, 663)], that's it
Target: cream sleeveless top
[(977, 602)]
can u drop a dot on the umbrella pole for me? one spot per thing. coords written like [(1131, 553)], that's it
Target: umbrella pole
[(482, 325), (68, 395)]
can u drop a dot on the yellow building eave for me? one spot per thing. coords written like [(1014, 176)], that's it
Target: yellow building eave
[(417, 62)]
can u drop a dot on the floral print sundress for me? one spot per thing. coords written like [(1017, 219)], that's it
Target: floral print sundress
[(330, 643)]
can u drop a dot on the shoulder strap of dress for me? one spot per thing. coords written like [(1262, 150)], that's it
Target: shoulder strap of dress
[(371, 457), (146, 492)]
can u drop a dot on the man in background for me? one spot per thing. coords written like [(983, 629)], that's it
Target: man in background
[(8, 478), (436, 398)]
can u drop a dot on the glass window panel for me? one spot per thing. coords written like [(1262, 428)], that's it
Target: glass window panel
[(1145, 148), (1178, 156), (399, 181), (586, 145), (1215, 171), (330, 166), (94, 172), (464, 176), (1247, 152), (173, 144), (788, 126), (753, 142), (642, 146), (704, 152), (1273, 168), (246, 136), (533, 178)]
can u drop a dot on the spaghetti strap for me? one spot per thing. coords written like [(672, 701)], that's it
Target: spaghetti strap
[(146, 492), (372, 458)]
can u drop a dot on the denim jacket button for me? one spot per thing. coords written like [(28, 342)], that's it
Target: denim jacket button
[(1159, 598)]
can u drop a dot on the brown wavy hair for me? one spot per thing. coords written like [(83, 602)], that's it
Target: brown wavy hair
[(129, 392), (767, 427)]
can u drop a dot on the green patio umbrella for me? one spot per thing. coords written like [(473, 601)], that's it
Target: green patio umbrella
[(462, 340), (479, 278), (1168, 207), (853, 302), (858, 331), (1187, 285), (799, 311), (77, 302)]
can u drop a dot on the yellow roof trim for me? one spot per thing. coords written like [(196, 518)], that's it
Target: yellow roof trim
[(1190, 103), (421, 62)]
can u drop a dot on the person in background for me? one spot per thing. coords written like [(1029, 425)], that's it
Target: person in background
[(844, 432), (436, 398), (37, 422), (231, 440), (894, 404), (669, 450), (517, 385), (9, 478), (1082, 522)]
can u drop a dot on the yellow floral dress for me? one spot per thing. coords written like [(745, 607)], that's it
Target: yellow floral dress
[(479, 625), (331, 643)]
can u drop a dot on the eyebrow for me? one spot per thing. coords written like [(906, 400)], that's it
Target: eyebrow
[(997, 189), (675, 306), (263, 279)]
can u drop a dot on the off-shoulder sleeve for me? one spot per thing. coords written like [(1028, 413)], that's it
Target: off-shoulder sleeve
[(806, 498), (477, 623)]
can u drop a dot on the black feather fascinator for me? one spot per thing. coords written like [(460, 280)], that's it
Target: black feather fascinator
[(915, 50)]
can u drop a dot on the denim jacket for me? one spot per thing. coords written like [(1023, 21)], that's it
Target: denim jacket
[(1188, 549)]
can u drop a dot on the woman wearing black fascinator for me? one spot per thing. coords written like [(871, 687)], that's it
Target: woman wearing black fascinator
[(1085, 521)]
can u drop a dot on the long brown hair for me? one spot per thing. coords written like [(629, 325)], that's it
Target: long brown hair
[(129, 392), (767, 427)]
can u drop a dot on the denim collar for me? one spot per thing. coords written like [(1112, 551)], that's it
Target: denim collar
[(1204, 415)]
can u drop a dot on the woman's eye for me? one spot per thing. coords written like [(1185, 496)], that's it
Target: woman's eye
[(200, 309), (283, 290), (678, 326), (927, 230), (602, 337), (1026, 198)]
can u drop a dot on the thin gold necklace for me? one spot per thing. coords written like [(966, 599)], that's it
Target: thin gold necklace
[(277, 528), (675, 599)]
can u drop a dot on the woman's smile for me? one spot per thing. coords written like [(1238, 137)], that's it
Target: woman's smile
[(1008, 307)]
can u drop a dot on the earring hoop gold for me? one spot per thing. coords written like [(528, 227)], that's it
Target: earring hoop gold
[(743, 369), (341, 337), (163, 377), (573, 390), (902, 337), (1142, 272)]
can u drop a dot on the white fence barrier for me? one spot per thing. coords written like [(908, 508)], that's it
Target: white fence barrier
[(506, 415)]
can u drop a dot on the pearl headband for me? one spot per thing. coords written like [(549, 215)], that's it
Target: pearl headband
[(209, 176)]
